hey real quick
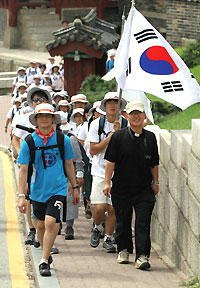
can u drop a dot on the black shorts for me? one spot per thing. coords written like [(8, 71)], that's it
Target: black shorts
[(51, 208)]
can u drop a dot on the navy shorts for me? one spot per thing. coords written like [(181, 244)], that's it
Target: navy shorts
[(51, 208)]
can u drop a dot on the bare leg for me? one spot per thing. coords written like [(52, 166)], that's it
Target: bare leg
[(51, 231), (28, 215), (98, 213), (40, 231), (110, 220)]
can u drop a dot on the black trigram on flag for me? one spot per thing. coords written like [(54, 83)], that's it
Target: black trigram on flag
[(128, 71), (172, 86), (145, 35)]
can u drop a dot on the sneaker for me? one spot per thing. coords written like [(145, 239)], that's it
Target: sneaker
[(36, 243), (44, 269), (142, 263), (108, 246), (95, 238), (69, 233), (54, 250), (123, 257), (30, 239)]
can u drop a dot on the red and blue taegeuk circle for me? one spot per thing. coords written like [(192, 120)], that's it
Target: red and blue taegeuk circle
[(157, 61)]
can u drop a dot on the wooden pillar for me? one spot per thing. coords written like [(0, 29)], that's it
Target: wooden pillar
[(12, 13), (58, 7), (76, 74), (100, 9)]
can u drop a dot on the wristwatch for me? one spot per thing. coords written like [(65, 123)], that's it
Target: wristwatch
[(75, 187)]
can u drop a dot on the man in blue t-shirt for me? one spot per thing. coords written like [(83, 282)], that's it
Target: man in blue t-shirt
[(48, 181)]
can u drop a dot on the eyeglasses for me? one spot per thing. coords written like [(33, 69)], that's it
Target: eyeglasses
[(39, 99)]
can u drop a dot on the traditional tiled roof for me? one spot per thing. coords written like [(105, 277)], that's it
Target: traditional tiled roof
[(89, 29)]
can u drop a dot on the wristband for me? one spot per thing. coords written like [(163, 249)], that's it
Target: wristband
[(21, 195), (79, 174), (75, 187)]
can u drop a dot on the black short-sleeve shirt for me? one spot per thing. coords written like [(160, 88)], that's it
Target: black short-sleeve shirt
[(133, 157)]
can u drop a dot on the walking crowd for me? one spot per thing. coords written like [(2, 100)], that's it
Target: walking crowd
[(65, 146)]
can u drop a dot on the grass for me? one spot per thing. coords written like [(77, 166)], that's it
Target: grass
[(183, 119), (192, 283)]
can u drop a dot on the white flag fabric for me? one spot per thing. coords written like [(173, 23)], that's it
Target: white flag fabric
[(145, 61)]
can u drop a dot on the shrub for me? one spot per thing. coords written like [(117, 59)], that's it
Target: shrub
[(191, 55)]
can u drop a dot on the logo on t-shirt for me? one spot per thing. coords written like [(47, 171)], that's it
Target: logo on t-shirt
[(50, 159)]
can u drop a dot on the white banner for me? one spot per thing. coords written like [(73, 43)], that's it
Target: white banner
[(146, 62)]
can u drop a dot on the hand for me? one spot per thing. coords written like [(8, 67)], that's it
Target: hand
[(106, 190), (69, 186), (76, 197), (80, 181), (6, 129), (22, 204), (116, 126), (155, 188)]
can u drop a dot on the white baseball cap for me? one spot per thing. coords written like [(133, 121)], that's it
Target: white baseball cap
[(44, 108), (132, 106)]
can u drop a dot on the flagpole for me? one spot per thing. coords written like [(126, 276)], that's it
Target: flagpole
[(122, 30)]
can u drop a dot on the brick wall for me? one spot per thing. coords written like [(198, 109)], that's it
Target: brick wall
[(183, 20)]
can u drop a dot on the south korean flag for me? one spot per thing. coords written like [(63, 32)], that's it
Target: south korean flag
[(146, 62)]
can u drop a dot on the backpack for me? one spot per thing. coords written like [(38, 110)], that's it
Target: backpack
[(60, 144), (83, 153), (102, 120)]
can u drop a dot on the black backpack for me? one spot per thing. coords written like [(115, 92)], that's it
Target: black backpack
[(102, 120), (60, 144)]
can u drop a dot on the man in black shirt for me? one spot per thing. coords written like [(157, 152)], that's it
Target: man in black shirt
[(132, 154)]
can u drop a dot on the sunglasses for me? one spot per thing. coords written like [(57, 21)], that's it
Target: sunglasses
[(39, 99)]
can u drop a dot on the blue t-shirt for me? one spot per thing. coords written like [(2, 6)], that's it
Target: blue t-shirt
[(110, 65), (51, 181)]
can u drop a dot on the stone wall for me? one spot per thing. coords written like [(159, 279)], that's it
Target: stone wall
[(183, 20), (3, 22), (176, 217)]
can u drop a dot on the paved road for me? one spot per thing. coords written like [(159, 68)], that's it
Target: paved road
[(77, 265)]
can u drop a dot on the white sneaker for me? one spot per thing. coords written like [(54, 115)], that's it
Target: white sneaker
[(142, 263), (123, 257)]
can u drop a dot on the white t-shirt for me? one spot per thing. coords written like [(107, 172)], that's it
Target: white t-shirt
[(56, 81), (31, 72), (98, 161), (19, 79), (83, 135), (23, 119), (11, 112)]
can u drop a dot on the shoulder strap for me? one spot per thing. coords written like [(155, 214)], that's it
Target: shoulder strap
[(102, 120), (124, 123), (31, 144), (60, 143)]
